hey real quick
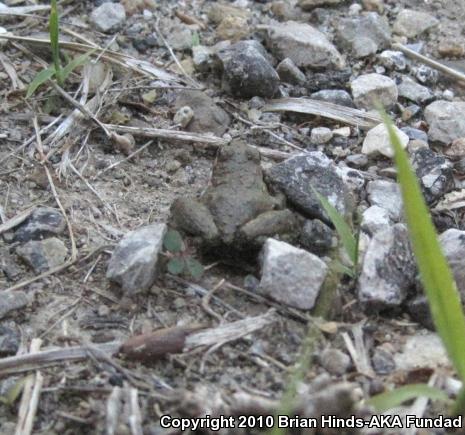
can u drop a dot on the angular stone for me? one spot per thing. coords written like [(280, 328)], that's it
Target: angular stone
[(208, 117), (389, 269), (387, 195), (43, 222), (369, 90), (11, 301), (377, 141), (413, 23), (218, 11), (330, 79), (446, 121), (179, 37), (233, 28), (435, 173), (375, 219), (133, 264), (336, 96), (296, 175), (317, 237), (393, 60), (413, 91), (320, 135), (10, 340), (306, 46), (109, 17), (247, 72), (42, 255), (290, 275), (288, 72), (369, 29)]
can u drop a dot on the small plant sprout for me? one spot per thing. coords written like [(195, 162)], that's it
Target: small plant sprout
[(180, 260), (56, 70)]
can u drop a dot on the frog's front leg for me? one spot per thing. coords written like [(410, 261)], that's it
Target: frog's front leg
[(194, 218), (282, 223)]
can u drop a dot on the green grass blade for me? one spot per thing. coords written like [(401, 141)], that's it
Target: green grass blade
[(436, 276), (54, 29), (40, 78), (74, 63), (342, 227), (390, 399)]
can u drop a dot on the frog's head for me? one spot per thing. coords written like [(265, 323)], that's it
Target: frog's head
[(238, 152)]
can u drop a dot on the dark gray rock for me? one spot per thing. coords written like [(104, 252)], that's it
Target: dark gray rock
[(411, 90), (426, 75), (419, 311), (415, 134), (290, 275), (383, 361), (10, 340), (208, 116), (42, 255), (247, 72), (296, 175), (453, 245), (133, 264), (331, 79), (290, 73), (389, 269), (317, 237), (42, 223), (336, 96), (434, 172), (12, 301), (368, 30)]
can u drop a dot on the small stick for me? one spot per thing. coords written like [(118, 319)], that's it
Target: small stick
[(135, 417), (430, 62)]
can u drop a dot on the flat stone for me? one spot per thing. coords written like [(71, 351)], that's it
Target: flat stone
[(375, 219), (415, 134), (446, 121), (365, 34), (247, 72), (335, 96), (412, 23), (389, 269), (43, 222), (109, 17), (208, 117), (133, 264), (306, 46), (290, 275), (288, 72), (42, 255), (369, 90), (387, 195), (413, 91), (317, 237), (435, 173), (296, 175), (377, 141)]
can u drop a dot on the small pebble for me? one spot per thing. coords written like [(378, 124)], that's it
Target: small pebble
[(321, 135), (183, 116)]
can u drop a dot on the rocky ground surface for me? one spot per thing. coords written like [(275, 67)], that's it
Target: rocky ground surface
[(237, 110)]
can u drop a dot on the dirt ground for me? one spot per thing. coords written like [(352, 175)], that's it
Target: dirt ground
[(78, 305)]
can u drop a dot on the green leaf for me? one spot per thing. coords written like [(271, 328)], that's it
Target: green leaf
[(54, 29), (390, 399), (40, 78), (176, 266), (194, 268), (173, 242), (436, 276), (195, 39), (341, 268), (77, 61), (342, 227)]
